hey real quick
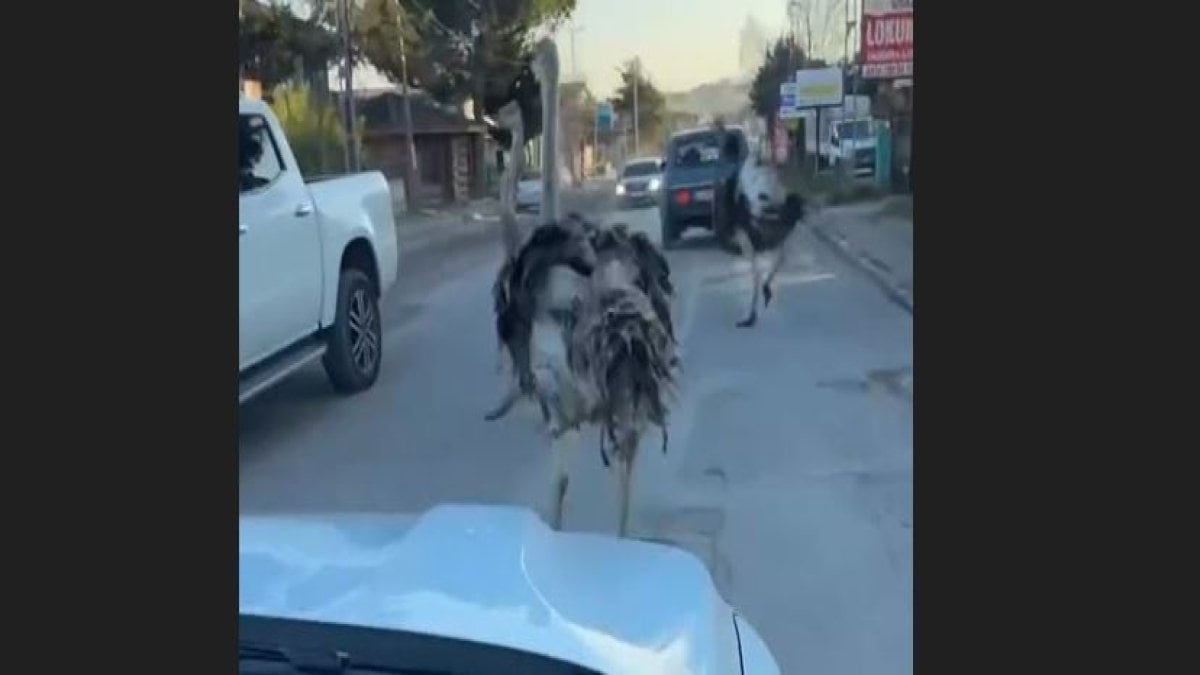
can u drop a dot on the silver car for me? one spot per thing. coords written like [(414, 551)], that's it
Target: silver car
[(640, 182)]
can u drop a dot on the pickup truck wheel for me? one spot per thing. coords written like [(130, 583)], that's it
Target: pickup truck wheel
[(356, 337)]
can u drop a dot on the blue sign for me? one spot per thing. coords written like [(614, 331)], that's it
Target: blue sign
[(604, 116)]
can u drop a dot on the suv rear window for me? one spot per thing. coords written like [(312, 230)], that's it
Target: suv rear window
[(701, 149)]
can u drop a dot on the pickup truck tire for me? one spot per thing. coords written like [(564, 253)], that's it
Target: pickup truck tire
[(355, 340)]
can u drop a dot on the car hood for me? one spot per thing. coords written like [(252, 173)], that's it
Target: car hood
[(641, 179), (492, 574)]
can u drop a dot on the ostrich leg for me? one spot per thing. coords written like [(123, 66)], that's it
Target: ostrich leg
[(780, 257), (505, 405), (562, 445), (743, 242), (625, 470)]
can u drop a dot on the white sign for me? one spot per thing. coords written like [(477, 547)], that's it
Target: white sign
[(885, 71), (787, 101), (886, 6), (816, 87)]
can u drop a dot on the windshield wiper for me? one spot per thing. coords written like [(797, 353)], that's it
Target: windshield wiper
[(317, 661), (304, 661)]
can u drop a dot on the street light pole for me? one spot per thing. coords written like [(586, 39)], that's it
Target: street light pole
[(574, 63), (348, 89), (408, 120), (637, 138)]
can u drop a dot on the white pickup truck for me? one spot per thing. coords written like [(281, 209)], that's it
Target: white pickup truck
[(851, 143), (314, 260)]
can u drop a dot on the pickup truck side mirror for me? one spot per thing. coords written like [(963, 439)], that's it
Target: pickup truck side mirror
[(833, 140), (662, 165)]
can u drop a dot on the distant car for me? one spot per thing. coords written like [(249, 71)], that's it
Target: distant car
[(477, 589), (529, 188), (639, 182), (529, 193), (693, 166)]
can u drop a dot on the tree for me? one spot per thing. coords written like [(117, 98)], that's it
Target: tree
[(383, 27), (652, 105), (313, 129), (275, 45), (456, 50), (779, 65)]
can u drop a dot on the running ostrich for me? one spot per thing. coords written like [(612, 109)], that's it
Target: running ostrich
[(582, 311), (761, 215)]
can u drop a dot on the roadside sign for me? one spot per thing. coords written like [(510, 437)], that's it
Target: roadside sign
[(887, 39), (788, 108), (817, 87), (604, 116)]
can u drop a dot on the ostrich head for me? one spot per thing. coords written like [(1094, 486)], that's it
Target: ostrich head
[(545, 68)]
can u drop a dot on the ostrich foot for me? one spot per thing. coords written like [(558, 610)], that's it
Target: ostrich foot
[(749, 321), (505, 405), (767, 295)]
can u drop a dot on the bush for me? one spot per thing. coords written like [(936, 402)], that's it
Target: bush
[(313, 128), (829, 186)]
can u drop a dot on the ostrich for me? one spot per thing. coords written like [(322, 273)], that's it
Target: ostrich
[(762, 217), (583, 312)]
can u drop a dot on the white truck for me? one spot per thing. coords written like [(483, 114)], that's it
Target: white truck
[(846, 135), (314, 260)]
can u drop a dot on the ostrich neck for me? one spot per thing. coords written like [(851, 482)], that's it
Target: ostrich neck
[(508, 190), (550, 144)]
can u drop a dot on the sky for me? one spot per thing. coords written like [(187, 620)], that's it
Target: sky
[(682, 43)]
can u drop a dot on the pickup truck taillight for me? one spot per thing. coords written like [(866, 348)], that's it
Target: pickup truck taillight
[(683, 197)]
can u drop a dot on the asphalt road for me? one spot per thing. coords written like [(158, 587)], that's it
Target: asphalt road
[(789, 469)]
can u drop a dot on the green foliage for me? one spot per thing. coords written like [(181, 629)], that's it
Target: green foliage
[(313, 128), (779, 65), (652, 105), (455, 50), (275, 45)]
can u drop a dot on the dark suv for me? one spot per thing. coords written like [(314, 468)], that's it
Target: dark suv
[(694, 164)]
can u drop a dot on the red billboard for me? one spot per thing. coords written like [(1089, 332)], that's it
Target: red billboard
[(887, 38)]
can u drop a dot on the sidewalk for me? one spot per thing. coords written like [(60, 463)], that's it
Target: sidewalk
[(424, 227), (878, 238)]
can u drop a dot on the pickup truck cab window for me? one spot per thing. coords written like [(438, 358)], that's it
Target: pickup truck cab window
[(259, 159)]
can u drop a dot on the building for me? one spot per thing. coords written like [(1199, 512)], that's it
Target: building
[(450, 147)]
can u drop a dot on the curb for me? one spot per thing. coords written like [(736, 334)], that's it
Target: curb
[(866, 263)]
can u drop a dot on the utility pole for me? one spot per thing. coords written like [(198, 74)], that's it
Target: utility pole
[(850, 23), (409, 188), (348, 116), (637, 138), (574, 63)]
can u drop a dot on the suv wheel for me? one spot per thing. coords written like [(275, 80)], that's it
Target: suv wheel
[(669, 233), (355, 343)]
